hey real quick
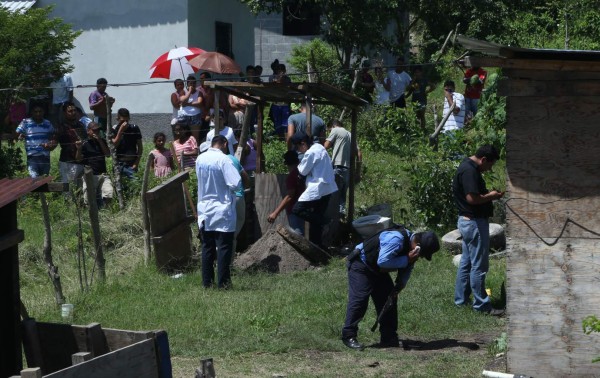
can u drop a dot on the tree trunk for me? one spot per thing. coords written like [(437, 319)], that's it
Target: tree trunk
[(52, 269), (310, 251), (116, 176), (88, 176), (145, 220)]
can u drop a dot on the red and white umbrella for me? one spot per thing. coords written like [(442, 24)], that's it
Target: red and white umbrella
[(174, 63)]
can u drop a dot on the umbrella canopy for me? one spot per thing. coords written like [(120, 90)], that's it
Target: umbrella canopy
[(174, 63), (215, 62)]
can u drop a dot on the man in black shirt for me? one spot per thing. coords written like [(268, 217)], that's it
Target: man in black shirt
[(92, 153), (474, 203), (127, 139), (71, 135)]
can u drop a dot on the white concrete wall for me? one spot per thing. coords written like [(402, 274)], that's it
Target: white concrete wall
[(202, 17), (120, 40)]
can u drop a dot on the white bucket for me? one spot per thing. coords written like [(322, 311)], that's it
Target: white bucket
[(371, 224), (66, 311)]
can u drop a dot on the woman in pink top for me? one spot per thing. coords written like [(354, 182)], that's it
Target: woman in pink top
[(185, 144), (163, 159)]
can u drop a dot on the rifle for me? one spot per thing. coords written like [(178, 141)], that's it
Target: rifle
[(388, 304), (390, 301)]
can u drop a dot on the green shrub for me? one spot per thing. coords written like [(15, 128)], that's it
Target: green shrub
[(591, 324), (11, 160)]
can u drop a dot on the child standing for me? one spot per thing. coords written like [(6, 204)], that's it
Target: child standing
[(163, 160)]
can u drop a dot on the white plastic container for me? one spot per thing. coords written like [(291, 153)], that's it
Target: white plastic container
[(371, 224)]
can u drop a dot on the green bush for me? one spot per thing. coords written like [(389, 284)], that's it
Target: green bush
[(591, 324), (11, 160)]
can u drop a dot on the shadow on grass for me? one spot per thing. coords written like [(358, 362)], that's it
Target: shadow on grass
[(438, 344)]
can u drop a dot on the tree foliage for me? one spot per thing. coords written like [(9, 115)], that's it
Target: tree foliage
[(32, 47)]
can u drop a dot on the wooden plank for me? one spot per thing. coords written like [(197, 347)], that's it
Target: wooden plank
[(550, 290), (134, 361), (116, 338), (176, 230), (95, 340), (11, 239), (58, 343), (31, 344), (53, 187), (31, 373), (547, 75), (532, 88), (177, 179), (269, 191), (533, 64), (80, 357), (163, 354)]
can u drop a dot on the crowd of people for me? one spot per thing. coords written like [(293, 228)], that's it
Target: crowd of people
[(313, 176)]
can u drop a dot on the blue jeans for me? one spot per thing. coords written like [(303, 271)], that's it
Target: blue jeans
[(471, 105), (127, 170), (216, 246), (342, 179), (296, 223), (38, 165), (314, 213), (474, 263)]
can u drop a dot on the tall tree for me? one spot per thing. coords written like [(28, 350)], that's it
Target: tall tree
[(32, 46)]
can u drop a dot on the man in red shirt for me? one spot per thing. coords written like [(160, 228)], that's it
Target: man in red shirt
[(475, 80)]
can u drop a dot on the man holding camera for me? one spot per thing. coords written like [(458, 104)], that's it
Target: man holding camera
[(394, 249)]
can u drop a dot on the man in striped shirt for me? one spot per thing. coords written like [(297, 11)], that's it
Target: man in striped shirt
[(456, 120), (39, 137)]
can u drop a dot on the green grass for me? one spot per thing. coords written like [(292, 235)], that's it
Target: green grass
[(268, 323)]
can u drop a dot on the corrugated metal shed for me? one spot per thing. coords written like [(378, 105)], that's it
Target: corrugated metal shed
[(17, 6)]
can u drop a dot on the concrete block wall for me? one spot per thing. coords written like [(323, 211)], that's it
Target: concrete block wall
[(271, 44)]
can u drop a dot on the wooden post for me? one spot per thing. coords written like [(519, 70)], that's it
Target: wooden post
[(260, 160), (354, 83), (216, 107), (433, 137), (116, 174), (52, 269), (308, 115), (245, 127), (88, 176), (353, 149), (31, 373), (206, 369), (145, 220), (80, 357)]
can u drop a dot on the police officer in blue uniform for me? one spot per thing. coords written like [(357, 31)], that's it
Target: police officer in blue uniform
[(368, 276)]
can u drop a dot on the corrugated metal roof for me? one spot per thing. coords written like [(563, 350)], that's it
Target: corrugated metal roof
[(494, 49), (17, 6), (13, 189)]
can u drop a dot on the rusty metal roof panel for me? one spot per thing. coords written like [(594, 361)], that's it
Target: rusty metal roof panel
[(13, 189), (294, 92), (494, 49)]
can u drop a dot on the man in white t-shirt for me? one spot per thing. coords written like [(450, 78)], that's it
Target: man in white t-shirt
[(456, 120), (62, 92), (224, 130), (397, 81), (320, 183)]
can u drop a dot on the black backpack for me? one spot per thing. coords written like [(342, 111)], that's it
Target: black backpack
[(371, 245)]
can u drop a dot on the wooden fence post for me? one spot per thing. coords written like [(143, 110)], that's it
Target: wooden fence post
[(52, 269), (88, 176)]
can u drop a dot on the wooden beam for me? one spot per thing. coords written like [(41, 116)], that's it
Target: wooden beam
[(31, 373), (11, 239), (536, 88), (95, 340), (80, 357), (53, 187), (153, 193), (533, 64)]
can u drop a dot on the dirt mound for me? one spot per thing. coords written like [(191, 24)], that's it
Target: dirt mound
[(273, 254)]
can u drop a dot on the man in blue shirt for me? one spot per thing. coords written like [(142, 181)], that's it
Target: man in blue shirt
[(368, 276)]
